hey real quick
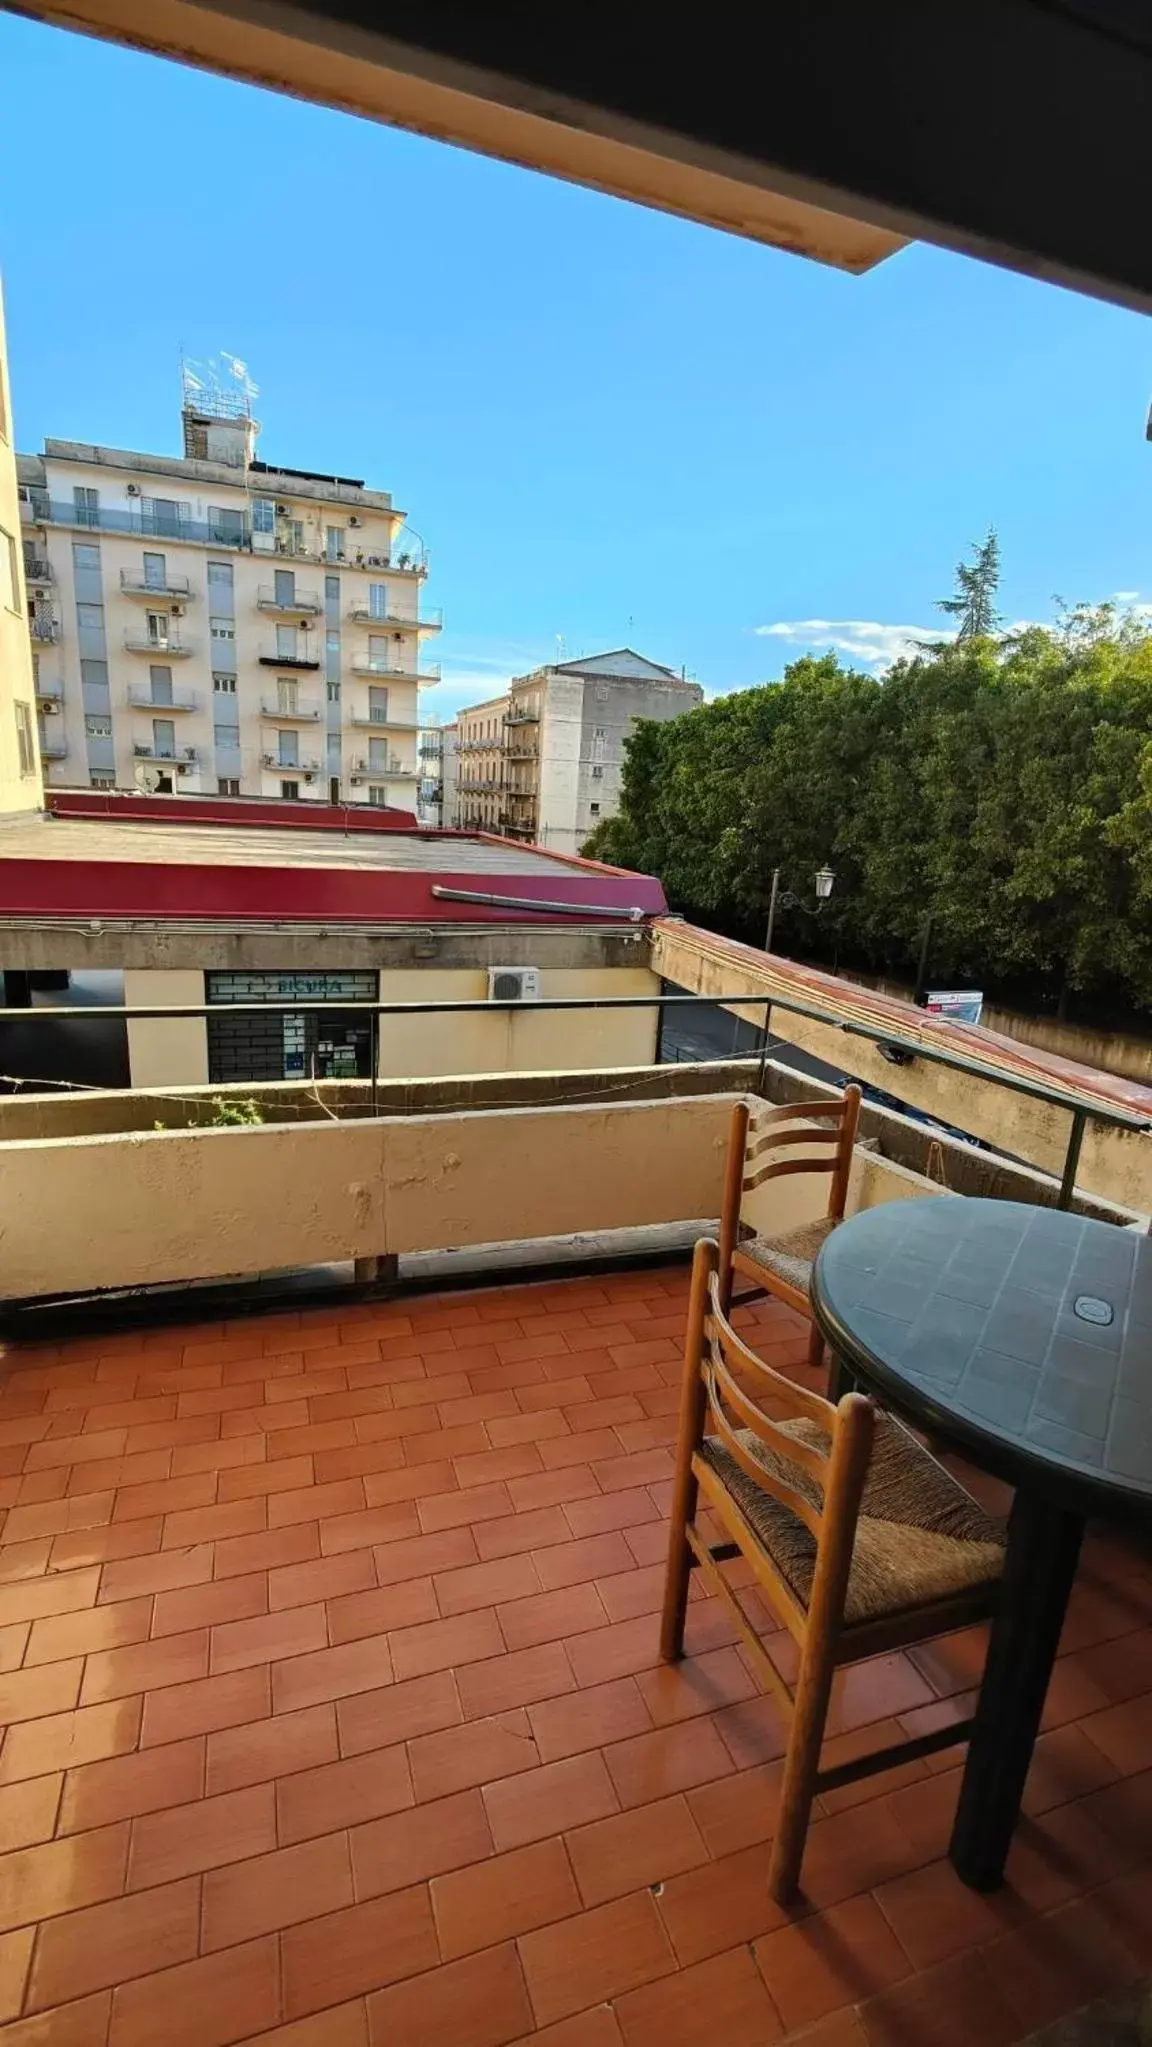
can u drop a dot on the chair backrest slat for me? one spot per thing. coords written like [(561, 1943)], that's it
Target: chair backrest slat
[(789, 1112), (788, 1496), (806, 1134), (774, 1433), (782, 1166), (737, 1353)]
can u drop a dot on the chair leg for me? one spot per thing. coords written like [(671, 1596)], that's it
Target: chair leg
[(676, 1582), (806, 1738)]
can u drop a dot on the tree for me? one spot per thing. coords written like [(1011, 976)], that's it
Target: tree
[(973, 602)]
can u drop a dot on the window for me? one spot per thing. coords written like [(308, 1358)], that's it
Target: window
[(288, 749), (9, 573), (161, 515), (90, 618), (597, 774), (378, 599), (285, 586), (226, 736), (221, 628), (333, 788), (220, 580), (99, 779), (85, 555), (378, 754), (334, 543), (378, 650), (25, 738), (225, 524), (593, 810), (332, 589), (155, 572), (287, 694), (158, 624), (600, 732), (228, 785), (376, 794), (333, 692), (289, 789), (378, 705), (287, 645), (86, 505), (601, 692), (164, 738), (263, 515), (98, 728), (223, 685), (160, 680)]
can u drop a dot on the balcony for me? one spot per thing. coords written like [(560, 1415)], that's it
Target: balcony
[(392, 770), (145, 526), (521, 717), (172, 648), (183, 758), (304, 657), (395, 621), (134, 584), (43, 627), (381, 722), (38, 569), (306, 769), (53, 746), (181, 700), (301, 601), (50, 695), (384, 672), (304, 713), (515, 751)]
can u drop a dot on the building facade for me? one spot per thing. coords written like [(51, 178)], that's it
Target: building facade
[(217, 625), (544, 762), (21, 787)]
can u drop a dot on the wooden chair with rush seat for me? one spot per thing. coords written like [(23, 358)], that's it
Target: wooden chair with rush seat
[(859, 1541), (780, 1262)]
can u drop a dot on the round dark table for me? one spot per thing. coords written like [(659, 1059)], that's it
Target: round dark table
[(1023, 1337)]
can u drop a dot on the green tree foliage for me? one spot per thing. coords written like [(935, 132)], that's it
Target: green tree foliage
[(1003, 784), (973, 601)]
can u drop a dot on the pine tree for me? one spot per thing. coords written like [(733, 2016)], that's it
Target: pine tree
[(973, 602)]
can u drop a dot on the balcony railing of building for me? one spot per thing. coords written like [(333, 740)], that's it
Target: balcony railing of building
[(305, 656), (180, 700), (380, 720), (393, 770), (170, 647), (182, 758), (269, 599), (43, 626), (307, 768), (53, 746), (517, 751), (134, 584), (388, 672), (147, 525), (50, 695), (301, 713), (397, 622), (521, 716), (38, 569)]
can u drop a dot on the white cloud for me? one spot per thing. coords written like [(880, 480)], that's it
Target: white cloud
[(865, 640), (1126, 597)]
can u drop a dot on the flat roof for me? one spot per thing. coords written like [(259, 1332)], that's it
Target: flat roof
[(96, 867)]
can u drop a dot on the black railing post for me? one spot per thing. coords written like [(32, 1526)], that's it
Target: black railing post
[(1072, 1159), (764, 1033)]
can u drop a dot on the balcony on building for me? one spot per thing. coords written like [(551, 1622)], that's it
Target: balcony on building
[(383, 671), (43, 626), (145, 525), (392, 770), (38, 569), (305, 769), (304, 712), (133, 583), (521, 715), (518, 750), (185, 759), (381, 721), (287, 603), (50, 695), (302, 657), (53, 746), (178, 700), (169, 647), (397, 622)]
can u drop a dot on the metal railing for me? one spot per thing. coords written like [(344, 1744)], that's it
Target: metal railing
[(148, 525), (386, 673), (301, 600), (53, 749), (177, 756), (304, 713), (382, 720), (392, 770), (180, 700), (50, 694), (1081, 1108), (397, 621), (37, 569), (283, 767), (304, 657), (173, 648)]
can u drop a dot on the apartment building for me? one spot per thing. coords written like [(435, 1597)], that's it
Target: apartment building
[(21, 787), (217, 624), (544, 761)]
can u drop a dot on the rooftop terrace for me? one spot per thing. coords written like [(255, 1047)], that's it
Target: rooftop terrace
[(336, 1719)]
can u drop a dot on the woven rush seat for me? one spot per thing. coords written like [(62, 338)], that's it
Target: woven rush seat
[(791, 1254), (919, 1538)]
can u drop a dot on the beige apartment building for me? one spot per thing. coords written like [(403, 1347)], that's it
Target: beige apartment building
[(218, 625), (21, 787), (544, 762)]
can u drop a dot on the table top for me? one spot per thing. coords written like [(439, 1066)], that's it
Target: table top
[(1023, 1334)]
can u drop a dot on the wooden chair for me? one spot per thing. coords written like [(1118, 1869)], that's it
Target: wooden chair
[(781, 1263), (859, 1541)]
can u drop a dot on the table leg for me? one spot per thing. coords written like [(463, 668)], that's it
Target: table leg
[(1039, 1569), (840, 1378)]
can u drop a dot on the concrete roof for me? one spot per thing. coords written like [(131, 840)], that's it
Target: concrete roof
[(156, 843)]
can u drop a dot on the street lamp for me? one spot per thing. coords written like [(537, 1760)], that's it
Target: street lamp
[(786, 899)]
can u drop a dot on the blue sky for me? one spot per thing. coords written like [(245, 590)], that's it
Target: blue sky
[(610, 426)]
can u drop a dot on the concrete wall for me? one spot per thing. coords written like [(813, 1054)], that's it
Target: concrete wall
[(18, 790), (522, 1040), (168, 1051), (83, 1213), (1115, 1164)]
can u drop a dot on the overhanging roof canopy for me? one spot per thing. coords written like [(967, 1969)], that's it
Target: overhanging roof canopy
[(1016, 130)]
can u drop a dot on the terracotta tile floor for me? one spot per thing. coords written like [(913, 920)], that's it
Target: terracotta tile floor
[(334, 1716)]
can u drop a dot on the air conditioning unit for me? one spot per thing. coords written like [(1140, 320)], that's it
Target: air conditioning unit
[(283, 510), (353, 520), (133, 490), (513, 984), (177, 611)]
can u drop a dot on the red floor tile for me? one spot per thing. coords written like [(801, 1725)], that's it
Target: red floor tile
[(503, 1896), (721, 1999), (595, 1956), (477, 2002), (630, 1850)]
